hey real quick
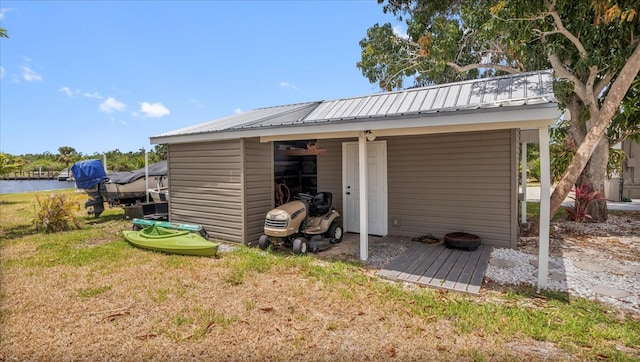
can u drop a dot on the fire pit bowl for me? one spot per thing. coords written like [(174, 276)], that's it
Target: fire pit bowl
[(461, 240)]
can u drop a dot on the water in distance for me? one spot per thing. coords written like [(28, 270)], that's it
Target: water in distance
[(16, 186)]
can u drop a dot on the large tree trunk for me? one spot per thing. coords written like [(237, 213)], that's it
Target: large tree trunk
[(601, 119), (594, 176)]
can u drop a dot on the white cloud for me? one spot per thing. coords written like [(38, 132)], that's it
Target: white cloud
[(154, 110), (238, 111), (94, 95), (111, 105), (284, 84), (1, 72), (68, 91), (2, 11), (30, 75)]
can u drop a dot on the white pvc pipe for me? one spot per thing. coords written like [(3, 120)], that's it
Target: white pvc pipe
[(146, 174), (524, 183)]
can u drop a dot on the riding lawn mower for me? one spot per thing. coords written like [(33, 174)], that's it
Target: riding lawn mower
[(307, 224)]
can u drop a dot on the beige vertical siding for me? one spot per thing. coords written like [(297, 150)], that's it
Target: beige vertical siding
[(437, 184), (454, 182), (206, 187), (258, 186), (330, 170)]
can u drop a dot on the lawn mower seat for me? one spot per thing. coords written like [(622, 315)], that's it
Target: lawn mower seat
[(320, 204)]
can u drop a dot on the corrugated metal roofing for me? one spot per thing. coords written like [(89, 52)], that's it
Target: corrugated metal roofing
[(261, 117), (510, 90), (506, 91)]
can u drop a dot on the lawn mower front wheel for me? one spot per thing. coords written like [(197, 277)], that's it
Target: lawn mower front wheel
[(264, 242), (300, 246)]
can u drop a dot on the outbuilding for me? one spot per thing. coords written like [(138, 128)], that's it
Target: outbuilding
[(430, 160)]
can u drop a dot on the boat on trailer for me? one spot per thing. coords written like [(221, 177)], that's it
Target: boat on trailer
[(129, 187), (118, 188)]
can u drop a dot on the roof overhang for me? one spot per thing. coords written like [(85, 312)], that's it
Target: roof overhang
[(519, 117)]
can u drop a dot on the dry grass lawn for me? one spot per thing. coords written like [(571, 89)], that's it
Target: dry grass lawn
[(88, 295)]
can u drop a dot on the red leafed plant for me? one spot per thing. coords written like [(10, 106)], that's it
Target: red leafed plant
[(585, 195)]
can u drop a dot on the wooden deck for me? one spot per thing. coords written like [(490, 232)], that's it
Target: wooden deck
[(437, 266)]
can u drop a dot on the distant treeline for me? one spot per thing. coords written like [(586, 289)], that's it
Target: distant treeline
[(67, 156)]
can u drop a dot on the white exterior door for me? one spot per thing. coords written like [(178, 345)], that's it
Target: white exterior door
[(377, 175)]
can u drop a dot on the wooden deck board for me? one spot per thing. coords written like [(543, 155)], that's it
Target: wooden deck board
[(430, 255), (456, 270), (447, 266), (478, 273), (403, 263), (428, 277), (439, 267)]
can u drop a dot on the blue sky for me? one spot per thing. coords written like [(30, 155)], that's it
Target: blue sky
[(106, 75)]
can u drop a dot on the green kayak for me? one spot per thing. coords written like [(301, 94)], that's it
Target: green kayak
[(171, 241)]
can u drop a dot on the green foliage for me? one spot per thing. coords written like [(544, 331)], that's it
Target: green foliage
[(116, 160), (626, 122), (56, 213), (3, 33), (162, 151), (587, 43), (533, 169), (67, 155), (616, 159), (562, 150), (7, 164)]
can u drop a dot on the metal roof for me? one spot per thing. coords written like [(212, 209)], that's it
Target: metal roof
[(261, 117), (510, 90), (506, 91)]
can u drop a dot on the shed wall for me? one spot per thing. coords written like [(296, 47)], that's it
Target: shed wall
[(258, 185), (454, 182), (443, 183), (329, 168), (206, 187)]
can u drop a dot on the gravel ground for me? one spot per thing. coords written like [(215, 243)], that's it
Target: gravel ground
[(594, 261), (617, 286)]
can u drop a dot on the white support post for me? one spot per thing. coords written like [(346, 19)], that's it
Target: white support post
[(364, 204), (523, 150), (545, 206), (146, 174)]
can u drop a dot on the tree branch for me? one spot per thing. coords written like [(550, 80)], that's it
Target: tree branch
[(558, 23), (610, 105), (562, 72)]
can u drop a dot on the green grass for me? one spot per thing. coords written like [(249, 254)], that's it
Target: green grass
[(533, 212), (585, 329)]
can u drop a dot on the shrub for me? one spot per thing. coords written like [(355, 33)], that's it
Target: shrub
[(584, 197), (533, 166), (56, 213)]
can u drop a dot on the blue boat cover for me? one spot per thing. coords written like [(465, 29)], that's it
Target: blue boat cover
[(88, 173)]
